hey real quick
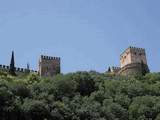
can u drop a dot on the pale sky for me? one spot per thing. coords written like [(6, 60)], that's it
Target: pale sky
[(86, 34)]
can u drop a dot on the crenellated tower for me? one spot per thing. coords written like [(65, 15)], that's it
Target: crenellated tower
[(133, 55), (133, 61), (49, 66)]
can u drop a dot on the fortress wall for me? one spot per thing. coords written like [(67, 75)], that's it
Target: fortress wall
[(115, 69), (133, 69), (17, 69)]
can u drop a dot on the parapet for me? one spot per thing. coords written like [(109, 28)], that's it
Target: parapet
[(43, 57), (4, 67), (115, 69), (17, 69), (137, 49), (23, 70), (133, 49)]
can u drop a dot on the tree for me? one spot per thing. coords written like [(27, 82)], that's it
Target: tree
[(64, 86), (109, 69), (145, 106), (35, 110), (144, 68), (12, 65), (6, 102), (114, 111), (80, 96), (21, 91), (85, 83), (32, 79)]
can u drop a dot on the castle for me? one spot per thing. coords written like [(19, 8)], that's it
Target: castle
[(48, 66), (132, 61)]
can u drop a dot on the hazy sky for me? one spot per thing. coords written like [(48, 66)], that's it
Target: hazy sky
[(86, 34)]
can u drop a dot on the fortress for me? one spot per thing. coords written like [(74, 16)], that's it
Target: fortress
[(48, 67), (132, 61)]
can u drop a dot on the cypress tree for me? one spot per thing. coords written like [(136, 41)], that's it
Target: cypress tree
[(144, 68), (12, 65), (28, 68), (109, 69)]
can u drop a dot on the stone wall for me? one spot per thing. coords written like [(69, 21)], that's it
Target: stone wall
[(115, 69), (134, 69), (17, 69)]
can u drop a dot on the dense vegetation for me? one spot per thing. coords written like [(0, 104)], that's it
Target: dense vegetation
[(80, 96)]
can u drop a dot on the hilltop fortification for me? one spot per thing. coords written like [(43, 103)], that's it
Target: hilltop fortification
[(132, 61), (48, 67)]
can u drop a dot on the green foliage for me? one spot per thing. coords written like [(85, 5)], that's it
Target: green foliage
[(33, 79), (80, 96), (86, 84), (146, 106), (35, 110)]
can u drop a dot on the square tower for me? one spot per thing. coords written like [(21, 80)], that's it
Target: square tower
[(133, 55), (49, 66)]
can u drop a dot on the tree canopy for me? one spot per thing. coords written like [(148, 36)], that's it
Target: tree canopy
[(80, 96)]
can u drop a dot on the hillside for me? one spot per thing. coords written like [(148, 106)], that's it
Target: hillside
[(80, 96)]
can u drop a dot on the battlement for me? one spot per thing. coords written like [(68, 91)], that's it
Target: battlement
[(115, 69), (22, 70), (136, 48), (4, 67), (49, 66), (43, 57), (133, 55), (132, 50)]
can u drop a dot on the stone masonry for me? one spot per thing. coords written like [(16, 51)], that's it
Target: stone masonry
[(49, 66), (132, 61)]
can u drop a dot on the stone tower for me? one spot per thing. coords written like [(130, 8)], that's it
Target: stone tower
[(49, 66), (132, 60), (133, 55)]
